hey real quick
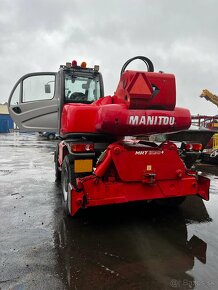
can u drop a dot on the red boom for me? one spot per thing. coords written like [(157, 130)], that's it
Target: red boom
[(144, 103)]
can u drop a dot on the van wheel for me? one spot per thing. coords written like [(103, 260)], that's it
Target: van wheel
[(51, 136)]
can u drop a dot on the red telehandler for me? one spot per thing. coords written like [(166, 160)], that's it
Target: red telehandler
[(95, 161)]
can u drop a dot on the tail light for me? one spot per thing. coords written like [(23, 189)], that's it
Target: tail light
[(83, 147), (192, 146)]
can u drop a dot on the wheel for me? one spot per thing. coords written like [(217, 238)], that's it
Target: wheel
[(170, 202), (57, 171), (51, 136), (67, 177)]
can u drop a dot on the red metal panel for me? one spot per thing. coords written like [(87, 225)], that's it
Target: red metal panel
[(115, 119), (97, 192), (203, 187), (78, 118), (144, 161), (123, 177), (164, 99)]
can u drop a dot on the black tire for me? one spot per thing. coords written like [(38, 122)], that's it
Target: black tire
[(51, 136), (170, 202), (57, 170), (67, 176)]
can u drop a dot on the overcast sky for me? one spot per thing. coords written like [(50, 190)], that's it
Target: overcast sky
[(180, 37)]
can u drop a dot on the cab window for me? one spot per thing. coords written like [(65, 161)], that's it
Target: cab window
[(80, 89)]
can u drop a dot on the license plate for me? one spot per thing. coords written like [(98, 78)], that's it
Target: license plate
[(83, 165)]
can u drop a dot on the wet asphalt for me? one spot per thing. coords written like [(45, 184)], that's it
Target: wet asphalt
[(133, 246)]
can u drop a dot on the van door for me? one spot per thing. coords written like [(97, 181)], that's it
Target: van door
[(33, 104)]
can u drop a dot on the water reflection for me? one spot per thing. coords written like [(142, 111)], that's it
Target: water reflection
[(27, 140), (135, 246)]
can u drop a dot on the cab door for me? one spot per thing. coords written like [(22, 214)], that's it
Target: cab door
[(33, 104)]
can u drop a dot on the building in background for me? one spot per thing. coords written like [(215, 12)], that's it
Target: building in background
[(6, 123)]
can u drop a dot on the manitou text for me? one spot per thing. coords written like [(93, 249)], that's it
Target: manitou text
[(151, 120)]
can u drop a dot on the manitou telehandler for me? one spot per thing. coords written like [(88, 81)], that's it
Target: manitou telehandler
[(96, 162)]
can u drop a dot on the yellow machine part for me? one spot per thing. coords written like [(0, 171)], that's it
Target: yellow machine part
[(215, 141)]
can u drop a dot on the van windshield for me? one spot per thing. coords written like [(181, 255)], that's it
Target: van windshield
[(81, 89)]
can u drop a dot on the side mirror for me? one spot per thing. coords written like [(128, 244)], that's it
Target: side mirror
[(47, 88), (85, 86)]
